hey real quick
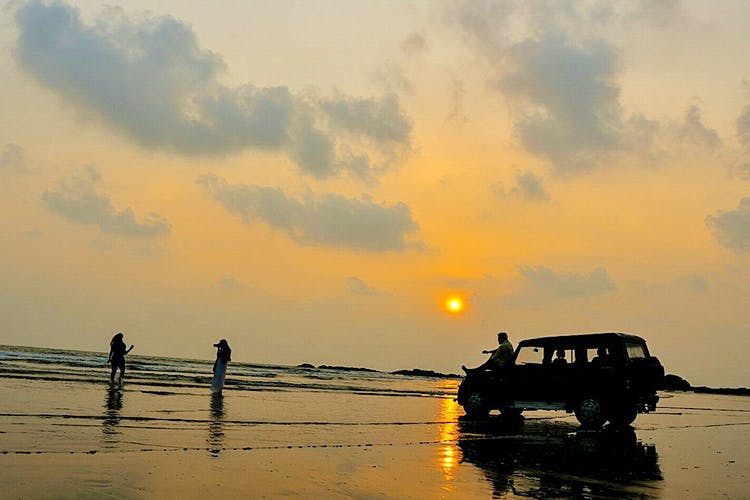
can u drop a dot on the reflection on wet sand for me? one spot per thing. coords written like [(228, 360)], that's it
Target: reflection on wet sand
[(216, 425), (448, 434), (112, 408), (545, 459)]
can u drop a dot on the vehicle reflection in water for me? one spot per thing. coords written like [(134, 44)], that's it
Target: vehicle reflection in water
[(112, 409), (216, 425), (448, 435), (547, 459)]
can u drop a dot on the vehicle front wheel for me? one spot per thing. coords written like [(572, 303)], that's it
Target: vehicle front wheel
[(476, 405), (589, 413), (624, 416)]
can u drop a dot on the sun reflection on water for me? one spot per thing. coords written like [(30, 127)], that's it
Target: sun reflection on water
[(448, 455)]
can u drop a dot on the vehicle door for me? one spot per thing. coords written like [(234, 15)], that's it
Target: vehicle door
[(528, 379)]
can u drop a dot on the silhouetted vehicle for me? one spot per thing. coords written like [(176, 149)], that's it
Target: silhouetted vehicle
[(552, 460), (602, 377)]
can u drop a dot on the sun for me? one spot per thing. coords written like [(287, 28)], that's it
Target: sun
[(454, 304)]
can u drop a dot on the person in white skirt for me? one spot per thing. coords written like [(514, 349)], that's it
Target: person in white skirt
[(223, 356)]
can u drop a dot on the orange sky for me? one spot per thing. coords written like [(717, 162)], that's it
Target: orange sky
[(314, 187)]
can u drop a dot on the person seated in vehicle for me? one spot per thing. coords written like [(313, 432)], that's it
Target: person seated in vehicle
[(499, 357), (560, 358), (602, 358)]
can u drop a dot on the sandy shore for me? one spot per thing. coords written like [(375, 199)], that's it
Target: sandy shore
[(63, 439)]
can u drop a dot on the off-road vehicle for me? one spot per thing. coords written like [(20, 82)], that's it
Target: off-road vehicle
[(599, 376)]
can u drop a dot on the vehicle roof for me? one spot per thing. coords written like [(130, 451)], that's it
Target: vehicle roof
[(582, 338)]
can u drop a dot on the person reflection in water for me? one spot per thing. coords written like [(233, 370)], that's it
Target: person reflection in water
[(216, 425), (112, 409), (117, 351)]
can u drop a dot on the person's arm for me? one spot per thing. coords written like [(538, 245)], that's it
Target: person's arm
[(489, 351), (109, 358), (131, 348)]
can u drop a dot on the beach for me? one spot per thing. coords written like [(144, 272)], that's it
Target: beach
[(279, 431)]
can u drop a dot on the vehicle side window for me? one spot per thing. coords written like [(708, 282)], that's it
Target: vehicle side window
[(636, 351), (530, 356)]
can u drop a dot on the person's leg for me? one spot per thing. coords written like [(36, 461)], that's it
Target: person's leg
[(114, 370), (122, 370)]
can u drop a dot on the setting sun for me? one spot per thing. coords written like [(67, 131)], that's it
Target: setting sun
[(454, 304)]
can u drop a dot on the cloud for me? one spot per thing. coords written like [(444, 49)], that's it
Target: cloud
[(414, 45), (330, 220), (229, 283), (693, 131), (732, 227), (549, 282), (560, 84), (743, 130), (358, 287), (696, 282), (13, 158), (570, 105), (149, 79), (531, 187), (76, 199), (528, 186)]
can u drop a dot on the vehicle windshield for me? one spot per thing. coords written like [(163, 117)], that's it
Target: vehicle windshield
[(530, 356), (636, 351)]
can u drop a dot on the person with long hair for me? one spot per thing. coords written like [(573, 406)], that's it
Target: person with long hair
[(223, 356), (117, 351)]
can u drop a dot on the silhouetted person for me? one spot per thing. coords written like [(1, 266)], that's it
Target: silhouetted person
[(601, 358), (223, 356), (117, 351), (499, 357), (560, 359)]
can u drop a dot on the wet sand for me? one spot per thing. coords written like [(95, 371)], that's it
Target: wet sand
[(64, 439), (276, 431)]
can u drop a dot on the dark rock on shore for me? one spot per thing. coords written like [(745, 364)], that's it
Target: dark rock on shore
[(731, 391), (416, 372), (674, 383), (346, 368)]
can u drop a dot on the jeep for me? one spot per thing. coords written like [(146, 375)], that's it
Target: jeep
[(599, 376)]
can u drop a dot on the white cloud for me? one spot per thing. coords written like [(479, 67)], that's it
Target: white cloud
[(77, 200), (329, 220), (149, 79), (732, 227)]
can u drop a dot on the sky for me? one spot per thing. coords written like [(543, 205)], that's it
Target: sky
[(316, 181)]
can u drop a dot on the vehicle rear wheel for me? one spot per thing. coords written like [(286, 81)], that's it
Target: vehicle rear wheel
[(512, 414), (476, 405), (624, 415), (589, 413)]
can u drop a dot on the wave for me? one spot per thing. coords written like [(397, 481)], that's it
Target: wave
[(159, 374)]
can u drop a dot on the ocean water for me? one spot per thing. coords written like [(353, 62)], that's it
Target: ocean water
[(269, 406), (330, 433)]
